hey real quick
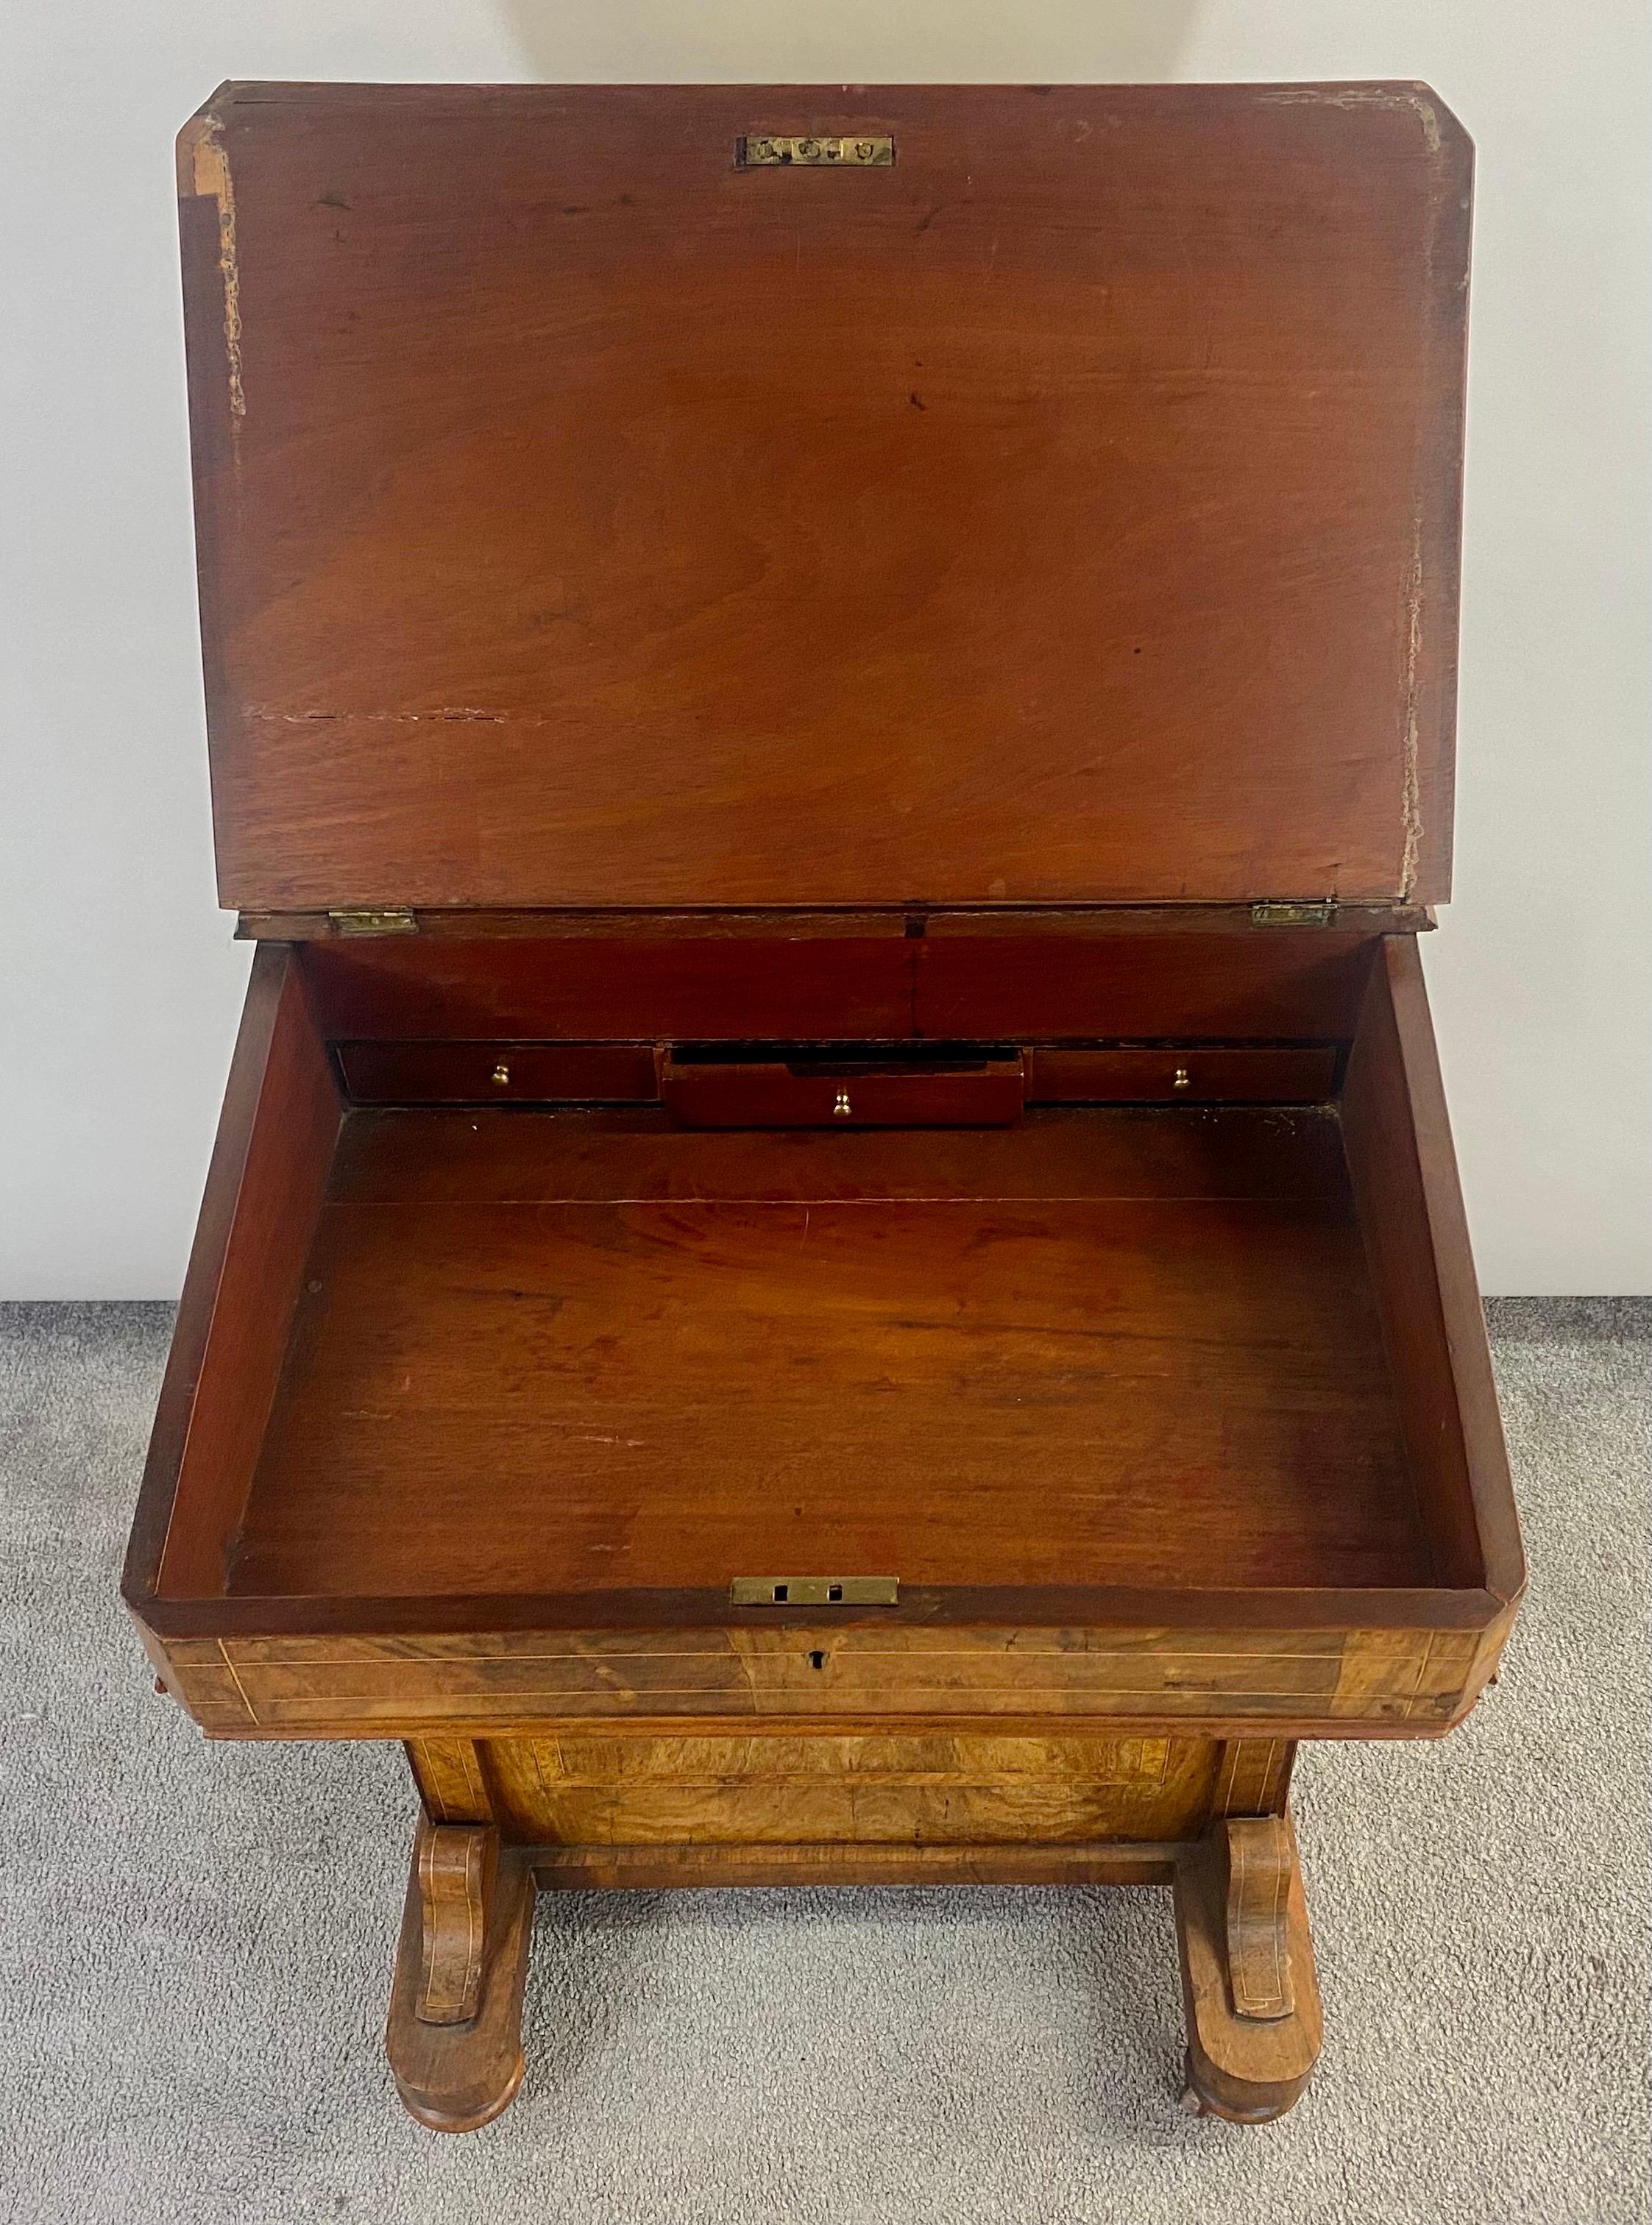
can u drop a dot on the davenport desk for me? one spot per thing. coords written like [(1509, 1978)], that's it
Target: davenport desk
[(834, 1253)]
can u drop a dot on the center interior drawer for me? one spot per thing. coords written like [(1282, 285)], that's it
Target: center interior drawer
[(843, 1086)]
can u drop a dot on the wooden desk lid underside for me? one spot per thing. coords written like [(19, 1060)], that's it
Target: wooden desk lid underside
[(1065, 513)]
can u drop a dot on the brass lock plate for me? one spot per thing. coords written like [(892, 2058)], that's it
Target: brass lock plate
[(815, 1591)]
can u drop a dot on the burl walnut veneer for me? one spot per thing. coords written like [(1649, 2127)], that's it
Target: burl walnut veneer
[(834, 1254)]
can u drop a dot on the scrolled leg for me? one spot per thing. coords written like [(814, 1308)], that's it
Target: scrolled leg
[(455, 2035), (1252, 2000)]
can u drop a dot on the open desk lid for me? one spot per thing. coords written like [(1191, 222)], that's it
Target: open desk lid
[(722, 496)]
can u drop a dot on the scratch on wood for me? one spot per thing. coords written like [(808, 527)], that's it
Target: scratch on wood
[(208, 176), (1418, 100), (1410, 779), (462, 715), (1415, 98)]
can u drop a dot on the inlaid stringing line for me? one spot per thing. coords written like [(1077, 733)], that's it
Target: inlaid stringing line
[(1225, 1784), (1277, 1992), (674, 1204), (1201, 1701), (1415, 1699), (1264, 1789), (845, 1645), (427, 1890), (1276, 1929), (230, 1666), (473, 1902)]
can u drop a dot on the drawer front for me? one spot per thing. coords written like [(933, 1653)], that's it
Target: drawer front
[(787, 1095), (987, 1093), (1302, 1683), (1195, 1074), (497, 1072), (609, 1790)]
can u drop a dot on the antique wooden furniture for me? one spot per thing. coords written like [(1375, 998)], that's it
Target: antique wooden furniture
[(834, 1253)]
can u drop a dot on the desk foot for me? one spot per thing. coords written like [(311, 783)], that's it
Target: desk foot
[(455, 2035), (1252, 2000)]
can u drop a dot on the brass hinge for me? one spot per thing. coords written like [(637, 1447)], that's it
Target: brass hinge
[(381, 919), (1320, 913), (857, 151)]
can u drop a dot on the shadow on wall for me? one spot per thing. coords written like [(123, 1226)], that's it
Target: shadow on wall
[(867, 41)]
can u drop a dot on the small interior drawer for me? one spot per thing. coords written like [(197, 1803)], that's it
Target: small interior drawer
[(496, 1073), (921, 1086), (1193, 1074)]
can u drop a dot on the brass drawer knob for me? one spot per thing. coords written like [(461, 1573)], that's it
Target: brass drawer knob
[(843, 1110), (501, 1075)]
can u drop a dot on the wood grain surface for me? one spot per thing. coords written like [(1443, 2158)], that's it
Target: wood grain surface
[(270, 1163), (663, 1869), (1260, 1862), (615, 1786), (588, 1391), (1181, 1074), (839, 979), (1065, 512), (1246, 2068), (456, 2074), (836, 1089), (993, 1678), (496, 1073), (1403, 1169), (1222, 1156), (889, 614), (457, 1872), (636, 1791), (1094, 1371), (508, 1071)]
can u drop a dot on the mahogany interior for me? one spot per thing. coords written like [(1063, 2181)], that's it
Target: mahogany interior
[(538, 1351), (1065, 513)]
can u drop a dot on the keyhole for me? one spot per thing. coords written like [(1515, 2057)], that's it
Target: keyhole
[(818, 1661)]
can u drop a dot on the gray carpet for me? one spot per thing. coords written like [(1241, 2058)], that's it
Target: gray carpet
[(197, 1938)]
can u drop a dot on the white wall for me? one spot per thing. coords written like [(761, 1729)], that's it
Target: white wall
[(118, 985)]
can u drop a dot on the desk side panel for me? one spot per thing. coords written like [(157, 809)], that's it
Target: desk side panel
[(1403, 1169), (263, 1194)]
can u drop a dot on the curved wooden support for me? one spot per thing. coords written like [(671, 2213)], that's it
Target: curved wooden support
[(1261, 1862), (1252, 2000), (455, 2035), (457, 1868)]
